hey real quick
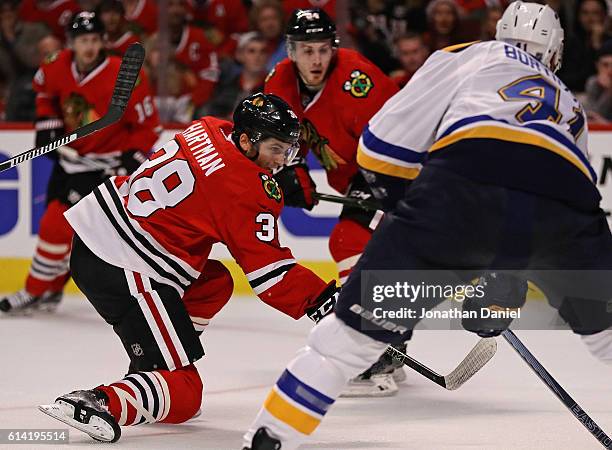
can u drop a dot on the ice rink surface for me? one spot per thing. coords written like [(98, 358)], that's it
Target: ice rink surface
[(505, 406)]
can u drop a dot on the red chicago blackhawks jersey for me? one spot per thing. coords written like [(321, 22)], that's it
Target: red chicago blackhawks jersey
[(120, 46), (196, 52), (333, 121), (195, 191), (142, 15), (55, 14), (76, 101)]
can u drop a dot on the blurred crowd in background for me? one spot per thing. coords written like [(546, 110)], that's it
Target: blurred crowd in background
[(203, 56)]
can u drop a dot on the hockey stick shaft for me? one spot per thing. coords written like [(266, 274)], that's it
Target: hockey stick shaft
[(351, 201), (126, 80), (556, 388), (475, 360)]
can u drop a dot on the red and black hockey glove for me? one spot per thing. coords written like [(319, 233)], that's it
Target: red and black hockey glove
[(491, 312), (324, 303), (130, 161), (298, 188)]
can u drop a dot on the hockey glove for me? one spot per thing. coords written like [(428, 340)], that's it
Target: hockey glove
[(324, 303), (504, 295), (47, 130), (296, 184), (130, 161)]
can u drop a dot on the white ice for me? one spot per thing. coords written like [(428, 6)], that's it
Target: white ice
[(505, 406)]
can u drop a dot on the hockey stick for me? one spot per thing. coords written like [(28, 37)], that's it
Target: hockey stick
[(126, 79), (556, 388), (351, 201), (475, 360)]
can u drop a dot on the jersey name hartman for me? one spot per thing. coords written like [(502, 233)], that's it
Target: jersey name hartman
[(202, 149)]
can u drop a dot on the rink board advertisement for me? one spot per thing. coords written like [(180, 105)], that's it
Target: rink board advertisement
[(22, 196)]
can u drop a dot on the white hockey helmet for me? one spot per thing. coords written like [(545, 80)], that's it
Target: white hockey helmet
[(534, 28)]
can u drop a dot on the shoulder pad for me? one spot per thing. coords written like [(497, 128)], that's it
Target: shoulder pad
[(52, 57), (359, 84), (270, 187)]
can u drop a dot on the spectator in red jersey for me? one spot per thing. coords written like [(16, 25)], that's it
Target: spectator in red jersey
[(489, 23), (118, 37), (19, 60), (411, 52), (191, 48), (329, 6), (581, 49), (268, 18), (228, 17), (55, 14), (142, 15), (444, 25), (240, 80), (599, 88)]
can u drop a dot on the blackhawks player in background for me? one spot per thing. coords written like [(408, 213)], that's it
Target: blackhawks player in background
[(73, 89), (506, 185), (334, 92), (140, 255)]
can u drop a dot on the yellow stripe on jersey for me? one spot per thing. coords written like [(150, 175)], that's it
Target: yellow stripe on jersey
[(376, 165), (458, 47), (505, 134), (289, 414)]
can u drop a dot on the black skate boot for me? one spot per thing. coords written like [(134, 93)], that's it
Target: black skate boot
[(18, 303), (86, 411), (263, 441)]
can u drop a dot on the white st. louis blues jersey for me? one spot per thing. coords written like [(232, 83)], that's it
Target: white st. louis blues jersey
[(478, 92)]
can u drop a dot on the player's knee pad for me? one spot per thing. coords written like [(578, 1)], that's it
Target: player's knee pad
[(209, 293), (600, 345), (334, 354), (185, 387)]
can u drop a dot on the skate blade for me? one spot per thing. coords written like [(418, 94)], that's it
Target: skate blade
[(377, 386), (97, 428)]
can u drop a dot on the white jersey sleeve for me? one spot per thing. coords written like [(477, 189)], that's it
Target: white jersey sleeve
[(397, 138)]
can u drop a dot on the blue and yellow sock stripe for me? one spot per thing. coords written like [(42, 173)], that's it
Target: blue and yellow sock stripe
[(295, 403)]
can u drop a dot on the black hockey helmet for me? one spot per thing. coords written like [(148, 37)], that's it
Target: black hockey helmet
[(83, 23), (261, 116), (311, 25)]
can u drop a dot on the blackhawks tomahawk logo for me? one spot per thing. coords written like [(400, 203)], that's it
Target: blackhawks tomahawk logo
[(271, 187), (359, 85)]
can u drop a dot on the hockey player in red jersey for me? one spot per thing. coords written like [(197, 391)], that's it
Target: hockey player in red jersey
[(140, 255), (73, 89), (334, 92), (55, 14), (118, 37)]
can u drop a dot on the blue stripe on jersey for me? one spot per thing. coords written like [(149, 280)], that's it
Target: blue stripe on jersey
[(377, 145), (540, 127), (303, 394)]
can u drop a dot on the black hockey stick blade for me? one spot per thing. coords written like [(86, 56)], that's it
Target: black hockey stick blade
[(126, 80), (475, 360), (351, 201), (556, 388)]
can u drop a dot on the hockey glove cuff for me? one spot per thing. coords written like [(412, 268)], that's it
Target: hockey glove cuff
[(324, 303)]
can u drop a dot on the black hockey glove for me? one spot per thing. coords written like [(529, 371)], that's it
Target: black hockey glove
[(47, 130), (503, 297), (130, 161), (324, 303), (359, 189), (296, 184)]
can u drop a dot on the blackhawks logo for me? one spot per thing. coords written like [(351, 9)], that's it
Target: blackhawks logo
[(319, 145), (271, 187), (77, 112), (359, 85)]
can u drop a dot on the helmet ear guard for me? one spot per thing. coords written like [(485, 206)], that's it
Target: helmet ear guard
[(534, 28)]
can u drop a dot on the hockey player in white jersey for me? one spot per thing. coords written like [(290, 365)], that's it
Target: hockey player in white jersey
[(504, 183)]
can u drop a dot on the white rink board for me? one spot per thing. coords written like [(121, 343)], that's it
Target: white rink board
[(310, 243)]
